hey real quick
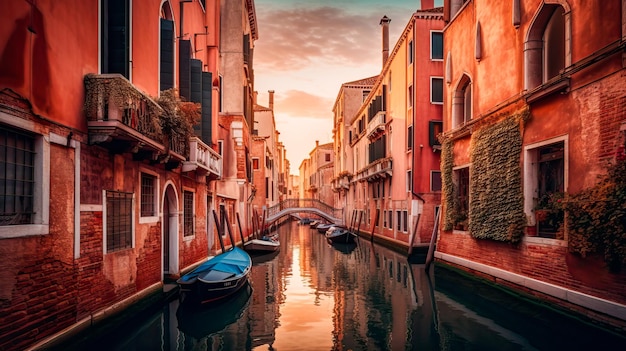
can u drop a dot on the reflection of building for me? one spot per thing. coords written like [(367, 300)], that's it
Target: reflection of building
[(263, 312), (540, 115)]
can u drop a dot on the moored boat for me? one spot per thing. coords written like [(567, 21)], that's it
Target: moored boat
[(217, 278), (267, 243), (340, 235)]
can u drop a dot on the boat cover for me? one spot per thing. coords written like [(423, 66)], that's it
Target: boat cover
[(229, 263)]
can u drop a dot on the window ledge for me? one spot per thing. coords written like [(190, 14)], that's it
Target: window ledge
[(544, 241), (149, 219), (557, 85), (18, 231)]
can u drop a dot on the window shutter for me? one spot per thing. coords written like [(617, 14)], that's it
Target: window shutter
[(115, 37), (207, 107), (196, 89), (167, 54), (184, 69)]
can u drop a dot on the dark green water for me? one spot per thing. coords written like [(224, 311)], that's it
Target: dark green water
[(314, 296)]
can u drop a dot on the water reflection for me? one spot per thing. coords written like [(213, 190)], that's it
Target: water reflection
[(316, 296)]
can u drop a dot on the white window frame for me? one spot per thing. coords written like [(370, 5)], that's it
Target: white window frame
[(432, 32), (431, 90), (104, 225), (157, 182), (409, 182), (531, 167), (193, 213), (41, 200)]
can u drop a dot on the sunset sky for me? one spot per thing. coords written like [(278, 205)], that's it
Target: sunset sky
[(307, 49)]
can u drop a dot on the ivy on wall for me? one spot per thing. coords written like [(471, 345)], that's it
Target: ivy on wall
[(496, 196), (448, 190)]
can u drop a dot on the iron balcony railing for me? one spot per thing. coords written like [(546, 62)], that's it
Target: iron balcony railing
[(119, 112)]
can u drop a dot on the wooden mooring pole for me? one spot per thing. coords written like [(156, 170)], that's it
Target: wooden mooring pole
[(433, 239)]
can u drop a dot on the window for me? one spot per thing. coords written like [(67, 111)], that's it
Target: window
[(188, 213), (390, 223), (410, 96), (436, 90), (462, 179), (547, 48), (434, 129), (410, 52), (545, 165), (436, 45), (409, 181), (405, 221), (385, 219), (327, 157), (409, 138), (115, 37), (435, 180), (17, 177), (166, 62), (148, 195), (462, 102), (119, 220), (220, 147), (399, 220), (255, 163), (24, 196), (366, 93)]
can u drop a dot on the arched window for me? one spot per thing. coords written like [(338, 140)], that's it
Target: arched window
[(166, 54), (546, 49), (462, 102)]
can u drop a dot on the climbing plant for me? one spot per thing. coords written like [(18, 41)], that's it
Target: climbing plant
[(448, 191), (496, 197), (596, 217)]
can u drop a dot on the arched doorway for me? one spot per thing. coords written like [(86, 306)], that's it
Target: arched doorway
[(170, 231)]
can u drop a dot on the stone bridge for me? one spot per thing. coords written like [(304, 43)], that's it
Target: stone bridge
[(299, 206)]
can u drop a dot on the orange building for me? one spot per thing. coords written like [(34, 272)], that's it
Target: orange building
[(387, 176), (534, 110), (108, 176)]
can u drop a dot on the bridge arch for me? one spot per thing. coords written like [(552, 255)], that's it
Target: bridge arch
[(314, 206)]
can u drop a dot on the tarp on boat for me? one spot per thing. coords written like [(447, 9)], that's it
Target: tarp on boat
[(222, 266)]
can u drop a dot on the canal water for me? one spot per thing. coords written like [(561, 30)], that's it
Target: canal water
[(314, 296)]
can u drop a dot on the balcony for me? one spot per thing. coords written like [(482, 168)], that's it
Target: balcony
[(376, 126), (378, 169), (122, 118), (203, 159)]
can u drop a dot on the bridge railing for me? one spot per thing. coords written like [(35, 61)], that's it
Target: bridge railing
[(305, 203)]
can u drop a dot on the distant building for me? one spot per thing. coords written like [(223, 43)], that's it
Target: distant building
[(387, 175)]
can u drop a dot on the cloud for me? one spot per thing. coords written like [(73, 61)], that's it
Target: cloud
[(294, 37), (298, 103)]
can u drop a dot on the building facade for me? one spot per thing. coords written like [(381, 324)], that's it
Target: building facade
[(111, 117), (534, 112), (388, 177)]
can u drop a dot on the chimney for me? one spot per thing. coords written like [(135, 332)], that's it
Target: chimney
[(384, 22), (254, 96), (271, 93)]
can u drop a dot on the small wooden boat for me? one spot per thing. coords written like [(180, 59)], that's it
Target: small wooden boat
[(323, 228), (217, 278), (339, 235), (267, 243)]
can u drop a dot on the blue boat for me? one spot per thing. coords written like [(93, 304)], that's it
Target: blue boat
[(217, 278)]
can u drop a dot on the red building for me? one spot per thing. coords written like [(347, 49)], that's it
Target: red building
[(108, 176), (534, 112)]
